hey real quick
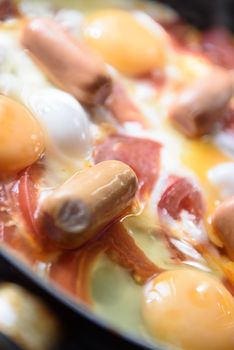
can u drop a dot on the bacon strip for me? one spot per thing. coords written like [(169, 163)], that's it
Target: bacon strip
[(122, 249), (122, 108)]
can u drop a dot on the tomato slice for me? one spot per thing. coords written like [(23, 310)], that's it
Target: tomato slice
[(142, 155), (122, 108), (179, 195)]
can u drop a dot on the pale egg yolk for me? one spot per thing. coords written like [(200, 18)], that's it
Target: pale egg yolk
[(123, 42), (21, 139), (190, 310)]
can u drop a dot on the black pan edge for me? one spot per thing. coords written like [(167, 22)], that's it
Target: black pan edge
[(77, 317)]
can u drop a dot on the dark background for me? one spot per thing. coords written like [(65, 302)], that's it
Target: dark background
[(205, 13)]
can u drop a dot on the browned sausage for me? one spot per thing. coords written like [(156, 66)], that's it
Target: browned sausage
[(70, 64), (202, 104), (223, 223), (8, 9), (87, 203)]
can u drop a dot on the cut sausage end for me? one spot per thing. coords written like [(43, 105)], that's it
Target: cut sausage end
[(203, 104), (88, 202), (73, 216)]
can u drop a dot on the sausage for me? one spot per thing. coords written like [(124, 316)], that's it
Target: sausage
[(201, 105), (70, 64), (85, 204), (223, 224), (8, 9)]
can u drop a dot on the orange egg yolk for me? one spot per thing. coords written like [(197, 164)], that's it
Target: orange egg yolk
[(21, 139), (123, 42), (190, 310)]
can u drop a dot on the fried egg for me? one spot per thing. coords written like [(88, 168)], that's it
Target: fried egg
[(21, 137), (189, 310), (65, 123), (124, 42)]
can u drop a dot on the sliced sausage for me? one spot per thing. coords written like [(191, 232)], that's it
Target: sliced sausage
[(66, 61), (202, 104), (87, 203), (223, 223)]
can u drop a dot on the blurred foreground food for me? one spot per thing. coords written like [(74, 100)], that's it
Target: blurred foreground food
[(26, 320)]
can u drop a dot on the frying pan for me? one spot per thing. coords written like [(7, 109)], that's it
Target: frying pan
[(82, 329)]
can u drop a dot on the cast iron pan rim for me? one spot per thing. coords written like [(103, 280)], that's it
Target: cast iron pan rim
[(78, 308), (8, 343)]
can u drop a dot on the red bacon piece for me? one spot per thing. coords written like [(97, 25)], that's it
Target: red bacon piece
[(179, 195), (122, 108)]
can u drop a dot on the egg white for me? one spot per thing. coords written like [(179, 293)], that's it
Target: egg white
[(65, 123)]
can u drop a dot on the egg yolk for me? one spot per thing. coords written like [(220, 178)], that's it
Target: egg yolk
[(190, 310), (123, 42), (21, 139)]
